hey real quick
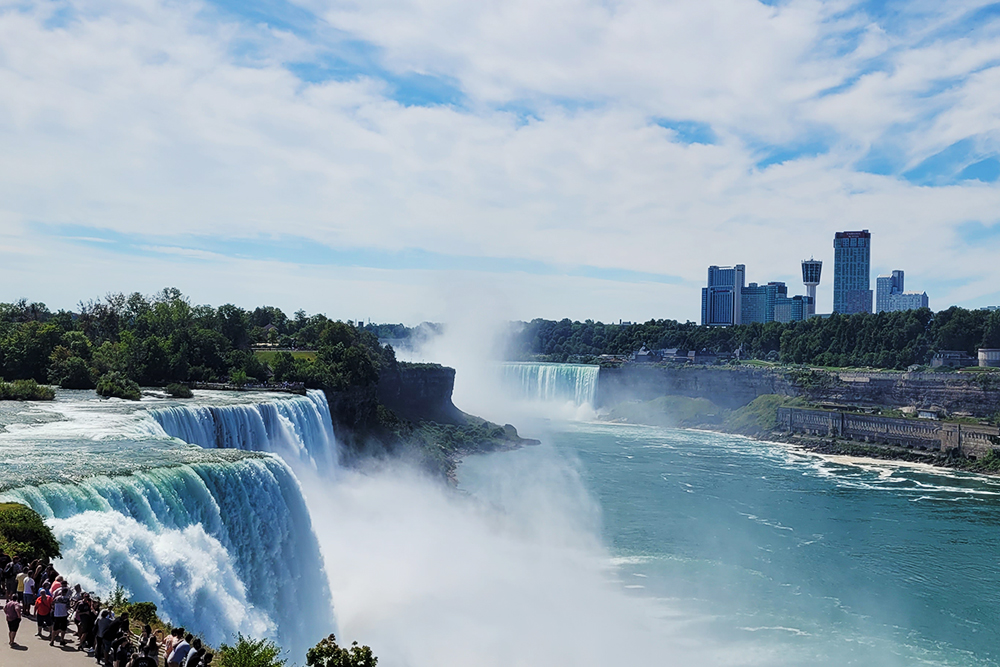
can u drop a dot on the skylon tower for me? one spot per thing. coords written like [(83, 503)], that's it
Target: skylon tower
[(811, 270)]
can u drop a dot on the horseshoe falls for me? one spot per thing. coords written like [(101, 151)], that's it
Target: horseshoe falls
[(551, 383), (184, 505)]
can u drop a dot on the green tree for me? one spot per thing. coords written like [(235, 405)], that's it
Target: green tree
[(249, 652), (328, 654)]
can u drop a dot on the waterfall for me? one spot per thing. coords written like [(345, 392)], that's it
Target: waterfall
[(299, 429), (575, 383), (219, 547)]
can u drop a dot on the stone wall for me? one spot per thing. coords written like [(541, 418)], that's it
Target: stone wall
[(964, 439)]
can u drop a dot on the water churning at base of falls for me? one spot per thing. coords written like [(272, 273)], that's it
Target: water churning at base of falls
[(221, 543)]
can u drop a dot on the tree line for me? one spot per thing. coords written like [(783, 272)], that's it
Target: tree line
[(162, 339), (886, 340)]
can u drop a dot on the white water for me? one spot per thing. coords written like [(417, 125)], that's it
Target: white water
[(552, 382), (220, 540), (298, 429)]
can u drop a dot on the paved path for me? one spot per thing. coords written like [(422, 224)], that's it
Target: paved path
[(31, 651)]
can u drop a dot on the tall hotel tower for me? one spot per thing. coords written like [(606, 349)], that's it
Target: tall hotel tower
[(811, 270), (722, 300), (852, 272)]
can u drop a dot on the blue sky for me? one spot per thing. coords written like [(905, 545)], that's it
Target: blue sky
[(413, 159)]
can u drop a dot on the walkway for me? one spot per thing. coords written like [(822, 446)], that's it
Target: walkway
[(31, 651)]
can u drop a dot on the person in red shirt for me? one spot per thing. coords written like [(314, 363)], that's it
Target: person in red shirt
[(12, 610), (43, 612)]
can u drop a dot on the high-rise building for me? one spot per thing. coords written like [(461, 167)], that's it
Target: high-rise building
[(722, 300), (852, 272), (811, 270), (885, 288), (909, 301), (890, 295), (792, 309), (758, 301)]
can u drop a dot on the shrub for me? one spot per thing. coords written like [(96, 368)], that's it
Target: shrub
[(23, 533), (179, 390), (328, 654), (250, 652), (115, 384), (25, 390)]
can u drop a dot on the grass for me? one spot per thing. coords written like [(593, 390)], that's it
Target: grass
[(267, 356)]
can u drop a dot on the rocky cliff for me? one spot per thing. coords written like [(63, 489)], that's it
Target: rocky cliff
[(420, 392), (977, 394)]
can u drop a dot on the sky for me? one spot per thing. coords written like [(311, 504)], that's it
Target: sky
[(410, 160)]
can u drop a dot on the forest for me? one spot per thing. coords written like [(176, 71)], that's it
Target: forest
[(894, 340), (162, 339)]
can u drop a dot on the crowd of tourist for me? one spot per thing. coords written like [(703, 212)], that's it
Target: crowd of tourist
[(36, 591)]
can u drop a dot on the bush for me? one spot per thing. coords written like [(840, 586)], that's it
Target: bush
[(179, 391), (115, 384), (250, 653), (23, 533), (25, 390), (328, 654)]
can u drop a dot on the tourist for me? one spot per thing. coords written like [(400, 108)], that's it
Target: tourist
[(60, 616), (43, 612), (28, 597), (194, 655), (103, 623), (12, 610), (118, 628), (22, 574), (172, 640), (179, 654), (86, 625)]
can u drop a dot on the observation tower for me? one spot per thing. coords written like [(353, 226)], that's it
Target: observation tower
[(811, 270)]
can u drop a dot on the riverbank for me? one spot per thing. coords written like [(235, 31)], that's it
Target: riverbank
[(760, 420)]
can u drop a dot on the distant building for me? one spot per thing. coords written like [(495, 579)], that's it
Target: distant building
[(885, 288), (989, 358), (952, 359), (758, 301), (890, 296), (792, 309), (812, 269), (909, 301), (721, 301), (645, 356), (852, 272)]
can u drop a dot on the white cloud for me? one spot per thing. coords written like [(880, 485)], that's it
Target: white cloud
[(158, 119)]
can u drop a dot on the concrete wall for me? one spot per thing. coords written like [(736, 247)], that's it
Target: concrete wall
[(968, 440)]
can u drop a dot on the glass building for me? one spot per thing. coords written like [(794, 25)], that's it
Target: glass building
[(722, 300), (758, 301), (792, 309), (852, 272), (885, 288)]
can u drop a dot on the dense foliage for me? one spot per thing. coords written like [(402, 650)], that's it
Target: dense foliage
[(23, 533), (328, 653), (164, 339), (887, 340), (25, 390), (114, 384), (249, 652), (178, 390)]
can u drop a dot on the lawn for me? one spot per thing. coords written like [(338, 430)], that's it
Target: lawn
[(267, 356)]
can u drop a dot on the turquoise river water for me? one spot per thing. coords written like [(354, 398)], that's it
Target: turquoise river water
[(766, 556)]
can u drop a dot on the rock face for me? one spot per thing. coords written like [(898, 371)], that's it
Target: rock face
[(732, 387), (420, 392), (725, 386)]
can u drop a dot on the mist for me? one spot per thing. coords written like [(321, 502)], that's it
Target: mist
[(511, 571)]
